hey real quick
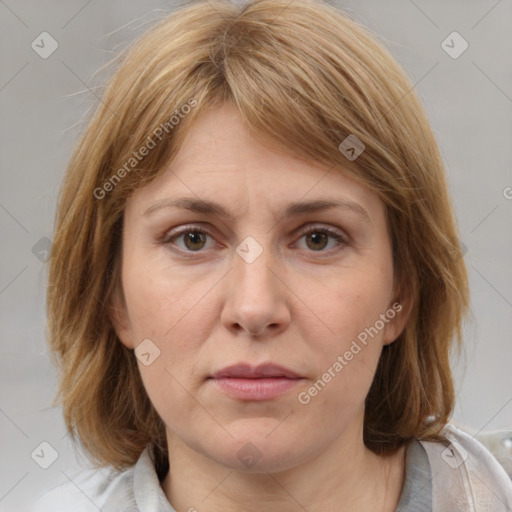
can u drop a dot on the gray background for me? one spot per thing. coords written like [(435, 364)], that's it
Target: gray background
[(468, 99)]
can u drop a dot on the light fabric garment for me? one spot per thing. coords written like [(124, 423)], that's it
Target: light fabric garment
[(463, 477), (416, 493)]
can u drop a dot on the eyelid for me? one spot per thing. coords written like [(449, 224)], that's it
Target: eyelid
[(331, 230)]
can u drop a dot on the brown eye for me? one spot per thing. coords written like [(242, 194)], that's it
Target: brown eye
[(317, 240), (194, 240)]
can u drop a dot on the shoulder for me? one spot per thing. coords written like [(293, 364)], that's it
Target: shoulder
[(88, 491), (465, 475)]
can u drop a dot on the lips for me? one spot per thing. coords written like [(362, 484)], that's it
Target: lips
[(255, 383), (263, 371)]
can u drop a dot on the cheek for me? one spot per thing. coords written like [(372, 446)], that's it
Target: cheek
[(173, 321), (176, 316), (348, 351), (349, 303), (155, 302)]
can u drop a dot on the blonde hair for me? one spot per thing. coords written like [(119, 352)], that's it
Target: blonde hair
[(306, 76)]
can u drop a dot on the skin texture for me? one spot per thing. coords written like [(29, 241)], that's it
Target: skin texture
[(299, 304)]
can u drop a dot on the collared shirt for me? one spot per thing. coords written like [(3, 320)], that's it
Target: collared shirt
[(459, 476)]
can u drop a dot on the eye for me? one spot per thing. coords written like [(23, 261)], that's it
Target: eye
[(194, 239), (317, 238)]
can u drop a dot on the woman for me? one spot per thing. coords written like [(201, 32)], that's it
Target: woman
[(256, 278)]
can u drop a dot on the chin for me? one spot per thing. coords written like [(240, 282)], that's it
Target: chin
[(258, 448)]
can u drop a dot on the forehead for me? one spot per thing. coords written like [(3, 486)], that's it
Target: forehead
[(221, 160)]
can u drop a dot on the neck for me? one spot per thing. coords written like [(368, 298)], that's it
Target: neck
[(345, 477)]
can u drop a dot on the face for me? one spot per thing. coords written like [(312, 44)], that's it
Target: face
[(257, 279)]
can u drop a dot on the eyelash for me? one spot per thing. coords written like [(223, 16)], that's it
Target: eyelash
[(168, 239)]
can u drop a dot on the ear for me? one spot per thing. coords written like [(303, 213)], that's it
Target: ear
[(119, 317), (398, 313)]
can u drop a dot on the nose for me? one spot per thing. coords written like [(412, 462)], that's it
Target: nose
[(257, 296)]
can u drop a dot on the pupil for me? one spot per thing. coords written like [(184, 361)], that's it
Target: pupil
[(195, 238), (318, 238)]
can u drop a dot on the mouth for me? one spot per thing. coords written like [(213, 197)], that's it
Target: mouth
[(246, 371), (264, 382)]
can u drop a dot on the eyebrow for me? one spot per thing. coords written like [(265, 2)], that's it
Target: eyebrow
[(203, 206)]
